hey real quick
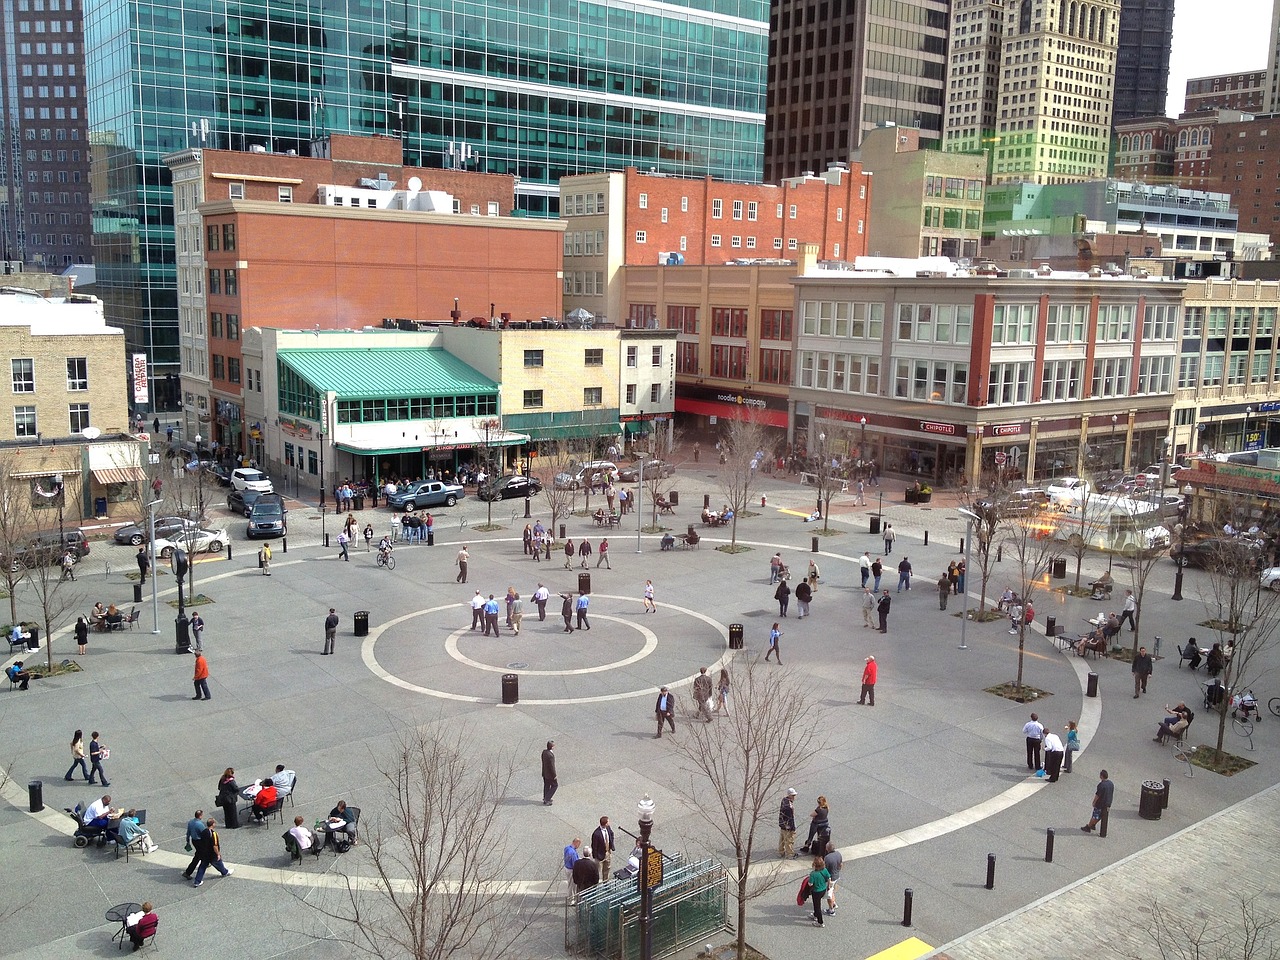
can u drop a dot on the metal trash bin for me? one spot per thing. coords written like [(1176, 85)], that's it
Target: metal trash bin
[(1091, 687), (35, 795), (736, 634), (137, 593), (584, 582), (362, 623), (1151, 801), (100, 507), (674, 498), (33, 637), (1059, 568), (1050, 627), (875, 523), (510, 688), (359, 498)]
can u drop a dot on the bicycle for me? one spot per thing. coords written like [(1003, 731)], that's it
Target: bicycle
[(386, 560), (1274, 704)]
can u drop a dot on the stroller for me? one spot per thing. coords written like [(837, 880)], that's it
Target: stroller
[(85, 834)]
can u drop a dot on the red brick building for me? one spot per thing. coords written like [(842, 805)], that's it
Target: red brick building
[(1244, 162), (1145, 149), (1229, 91)]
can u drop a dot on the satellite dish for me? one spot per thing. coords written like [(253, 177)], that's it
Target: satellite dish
[(415, 184), (91, 433)]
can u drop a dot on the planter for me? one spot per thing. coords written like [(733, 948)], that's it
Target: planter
[(926, 497)]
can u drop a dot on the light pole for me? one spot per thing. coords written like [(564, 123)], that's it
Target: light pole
[(59, 491), (969, 517), (862, 447), (647, 880), (823, 467), (643, 455), (527, 470), (322, 533), (155, 595), (1114, 421), (1244, 444)]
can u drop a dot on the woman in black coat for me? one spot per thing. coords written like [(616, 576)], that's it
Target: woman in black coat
[(783, 596), (229, 799)]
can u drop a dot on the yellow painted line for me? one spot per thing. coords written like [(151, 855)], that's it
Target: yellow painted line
[(910, 949), (795, 513)]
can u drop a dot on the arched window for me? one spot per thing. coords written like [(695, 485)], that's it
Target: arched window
[(1195, 138), (1124, 144), (1182, 139), (1146, 142), (1205, 136)]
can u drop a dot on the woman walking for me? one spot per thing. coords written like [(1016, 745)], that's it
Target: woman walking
[(819, 828), (229, 798), (783, 596), (722, 692), (82, 635), (775, 643), (77, 756), (649, 605), (818, 880)]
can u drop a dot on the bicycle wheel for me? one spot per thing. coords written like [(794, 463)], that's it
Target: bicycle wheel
[(391, 563), (1275, 706), (1243, 728)]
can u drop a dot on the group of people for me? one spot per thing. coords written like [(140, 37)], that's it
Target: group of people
[(722, 518), (1214, 661), (804, 592), (410, 527), (583, 552), (824, 875), (1043, 742), (263, 795)]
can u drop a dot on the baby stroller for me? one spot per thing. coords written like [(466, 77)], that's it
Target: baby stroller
[(85, 834)]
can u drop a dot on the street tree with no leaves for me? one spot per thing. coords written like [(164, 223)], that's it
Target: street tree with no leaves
[(741, 441), (1031, 551)]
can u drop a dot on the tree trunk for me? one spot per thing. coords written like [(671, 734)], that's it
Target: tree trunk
[(1022, 645), (742, 916)]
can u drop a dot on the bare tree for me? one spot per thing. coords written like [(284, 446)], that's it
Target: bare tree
[(655, 485), (489, 433), (1032, 551), (1179, 937), (738, 447), (826, 476), (1141, 564), (737, 770), (16, 521), (559, 499), (56, 596), (438, 856), (989, 508)]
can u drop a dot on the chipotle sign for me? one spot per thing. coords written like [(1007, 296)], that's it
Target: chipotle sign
[(946, 429)]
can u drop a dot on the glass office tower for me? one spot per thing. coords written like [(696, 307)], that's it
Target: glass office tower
[(533, 88)]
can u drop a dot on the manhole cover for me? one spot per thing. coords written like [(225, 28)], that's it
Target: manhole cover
[(518, 665)]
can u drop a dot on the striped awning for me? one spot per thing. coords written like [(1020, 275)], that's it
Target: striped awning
[(33, 474), (119, 475)]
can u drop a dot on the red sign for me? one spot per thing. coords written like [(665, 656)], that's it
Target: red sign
[(1001, 457), (947, 429), (1007, 429)]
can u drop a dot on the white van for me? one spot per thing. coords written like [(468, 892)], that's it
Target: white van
[(581, 475)]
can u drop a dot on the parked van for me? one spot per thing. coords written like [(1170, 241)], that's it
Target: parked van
[(582, 474)]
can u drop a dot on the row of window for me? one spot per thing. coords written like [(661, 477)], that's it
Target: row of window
[(592, 396), (225, 232), (594, 357), (23, 371), (25, 424), (1240, 321), (952, 188), (224, 282), (737, 242), (1217, 369), (232, 326), (226, 368), (417, 408)]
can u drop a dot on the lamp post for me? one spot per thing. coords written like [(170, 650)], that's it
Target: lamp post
[(1114, 421), (862, 447), (59, 492), (155, 595), (1179, 531), (642, 455), (969, 517), (322, 534), (179, 563), (647, 882), (1244, 440), (527, 468)]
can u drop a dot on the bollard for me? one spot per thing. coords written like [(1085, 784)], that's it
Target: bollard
[(1165, 802), (1102, 821), (1048, 846), (962, 544), (228, 549), (35, 795), (926, 538), (813, 548), (1091, 685), (706, 501), (999, 553), (1156, 649), (907, 894), (284, 544), (991, 871), (326, 540)]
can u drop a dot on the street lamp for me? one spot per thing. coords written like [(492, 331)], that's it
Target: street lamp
[(823, 466), (1248, 412), (863, 446), (643, 455), (527, 468), (59, 492), (179, 563), (322, 533), (152, 506), (969, 518), (647, 880), (1114, 420)]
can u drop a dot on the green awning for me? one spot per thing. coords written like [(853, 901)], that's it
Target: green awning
[(383, 373), (573, 431)]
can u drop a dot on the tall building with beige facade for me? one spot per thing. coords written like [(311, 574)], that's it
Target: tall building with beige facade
[(973, 74)]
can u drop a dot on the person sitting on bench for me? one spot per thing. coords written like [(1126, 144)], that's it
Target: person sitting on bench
[(668, 541), (18, 675)]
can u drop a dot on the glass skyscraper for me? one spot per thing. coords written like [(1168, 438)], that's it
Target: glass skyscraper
[(533, 88)]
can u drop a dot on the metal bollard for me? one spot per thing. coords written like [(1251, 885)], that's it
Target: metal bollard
[(1048, 846), (326, 540), (228, 549), (1102, 822), (926, 538), (962, 544), (1000, 553), (1157, 638), (907, 895), (284, 544), (814, 547), (991, 871), (1165, 804)]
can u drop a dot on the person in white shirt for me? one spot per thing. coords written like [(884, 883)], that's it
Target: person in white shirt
[(864, 567), (477, 611), (1033, 730), (284, 780), (1053, 755), (540, 597), (100, 809), (301, 835)]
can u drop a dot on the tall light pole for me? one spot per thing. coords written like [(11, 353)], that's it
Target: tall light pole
[(823, 467), (1248, 412), (322, 533), (1114, 421), (650, 864), (152, 506), (643, 454), (969, 517), (59, 490), (862, 447)]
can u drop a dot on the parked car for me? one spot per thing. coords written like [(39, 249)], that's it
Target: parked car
[(268, 518), (426, 493), (242, 501), (1153, 473), (580, 475), (219, 474), (193, 541), (248, 478), (652, 468), (1172, 505), (1217, 550), (510, 487), (1270, 578), (135, 534), (1015, 503), (46, 547), (1068, 489)]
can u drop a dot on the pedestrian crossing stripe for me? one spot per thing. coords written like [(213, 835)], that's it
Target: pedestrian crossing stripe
[(910, 949)]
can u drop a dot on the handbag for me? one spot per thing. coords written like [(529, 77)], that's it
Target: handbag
[(187, 846)]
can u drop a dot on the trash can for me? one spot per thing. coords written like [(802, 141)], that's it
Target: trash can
[(1151, 802), (510, 688), (1059, 568), (875, 523), (431, 537), (584, 582), (359, 501), (100, 507), (562, 531), (674, 498), (1091, 688), (813, 547), (362, 623), (35, 795), (137, 593), (736, 633), (33, 637), (706, 501), (1050, 627)]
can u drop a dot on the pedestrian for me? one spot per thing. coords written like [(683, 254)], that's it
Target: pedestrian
[(429, 525), (953, 576), (960, 574), (804, 594), (197, 631), (572, 854), (869, 674), (1033, 730), (1129, 611), (944, 589), (491, 616), (68, 564), (868, 607), (819, 828), (722, 692), (510, 601), (155, 425), (580, 608), (783, 596), (566, 611), (775, 643), (528, 539), (368, 538), (568, 553), (200, 678), (697, 451), (787, 825), (517, 613), (1053, 754), (209, 848), (1102, 798), (550, 783), (77, 756), (330, 631), (1073, 744), (602, 847), (548, 543), (1142, 667), (264, 559), (702, 695), (168, 433), (584, 552), (813, 576), (195, 827), (889, 537), (882, 608), (818, 880), (462, 560), (343, 540), (904, 574), (477, 611), (82, 635), (603, 555), (877, 569), (665, 711), (98, 752), (864, 567), (834, 862), (144, 564), (540, 597), (649, 605), (775, 568)]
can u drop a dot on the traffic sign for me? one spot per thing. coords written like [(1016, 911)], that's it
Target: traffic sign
[(1000, 458)]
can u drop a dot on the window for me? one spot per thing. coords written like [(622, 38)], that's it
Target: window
[(715, 239), (533, 358), (1236, 369), (737, 209), (284, 194), (775, 366), (1111, 376), (717, 209), (631, 394), (533, 399), (641, 236), (215, 282), (235, 191), (228, 236), (684, 204), (644, 201), (687, 357), (24, 375), (775, 325), (655, 392), (591, 396), (219, 367), (735, 242), (1241, 321), (664, 215), (631, 356), (215, 325), (728, 322), (727, 361), (24, 421), (792, 243), (1014, 323), (312, 467), (1188, 371), (212, 241), (1155, 375), (657, 356), (593, 357), (1061, 380), (1193, 322), (1009, 383), (1066, 323), (77, 373), (792, 211), (753, 209), (684, 319), (1217, 325), (233, 369), (1116, 322), (233, 326), (1212, 376)]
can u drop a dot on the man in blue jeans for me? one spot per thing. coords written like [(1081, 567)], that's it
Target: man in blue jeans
[(904, 574)]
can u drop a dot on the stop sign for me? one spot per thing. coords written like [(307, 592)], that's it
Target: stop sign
[(1000, 458)]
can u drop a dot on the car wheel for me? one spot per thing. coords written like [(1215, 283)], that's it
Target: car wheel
[(1275, 584), (450, 500), (215, 547), (135, 540)]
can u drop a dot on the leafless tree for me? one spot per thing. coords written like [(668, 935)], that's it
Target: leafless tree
[(1180, 937), (826, 476), (16, 521), (438, 856), (1141, 564), (655, 485), (559, 499), (989, 507), (1031, 551), (738, 446), (735, 772), (56, 595), (1078, 520), (489, 433)]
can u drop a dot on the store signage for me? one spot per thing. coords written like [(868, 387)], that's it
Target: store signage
[(141, 391), (1008, 429), (946, 429), (296, 428)]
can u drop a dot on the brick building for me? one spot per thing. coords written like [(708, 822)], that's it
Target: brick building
[(613, 220), (1145, 149), (1229, 91), (1244, 164)]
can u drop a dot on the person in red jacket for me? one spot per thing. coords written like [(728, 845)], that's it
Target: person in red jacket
[(264, 800), (868, 683), (201, 678)]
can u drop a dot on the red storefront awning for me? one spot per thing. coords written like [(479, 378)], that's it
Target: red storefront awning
[(732, 411)]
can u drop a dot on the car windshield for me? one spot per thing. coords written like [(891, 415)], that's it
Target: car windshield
[(252, 475), (266, 509)]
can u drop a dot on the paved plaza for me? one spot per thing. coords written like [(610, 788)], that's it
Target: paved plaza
[(922, 787)]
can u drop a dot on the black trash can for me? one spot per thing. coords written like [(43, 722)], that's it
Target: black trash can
[(813, 548), (875, 523), (562, 531), (137, 593), (706, 501), (510, 688), (1059, 568), (362, 623), (33, 637), (359, 501), (1051, 627), (584, 582), (431, 537), (1151, 802), (1091, 688), (674, 498), (35, 795), (736, 633)]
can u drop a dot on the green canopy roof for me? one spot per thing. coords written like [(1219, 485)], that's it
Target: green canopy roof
[(377, 373)]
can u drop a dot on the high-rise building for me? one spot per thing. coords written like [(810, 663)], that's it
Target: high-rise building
[(1272, 93), (1142, 59), (839, 67), (44, 154), (1056, 87), (1229, 91), (504, 86), (973, 74)]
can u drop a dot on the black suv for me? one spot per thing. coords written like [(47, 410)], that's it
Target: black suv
[(46, 547)]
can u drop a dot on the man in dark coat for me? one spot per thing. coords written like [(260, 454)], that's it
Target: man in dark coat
[(882, 608), (144, 563), (549, 781)]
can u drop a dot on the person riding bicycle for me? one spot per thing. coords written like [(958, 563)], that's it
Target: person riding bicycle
[(384, 549)]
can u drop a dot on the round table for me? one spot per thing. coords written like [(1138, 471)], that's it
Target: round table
[(119, 913)]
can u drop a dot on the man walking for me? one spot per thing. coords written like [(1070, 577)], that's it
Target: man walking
[(549, 781), (209, 850), (602, 555), (1102, 798), (602, 846), (343, 540), (787, 825), (877, 569), (1033, 730), (584, 552), (1129, 611), (944, 590), (864, 567), (1142, 667), (330, 631), (144, 564), (97, 753), (540, 597), (201, 678), (517, 613), (1053, 755), (869, 674), (195, 827), (568, 553), (702, 693), (775, 568), (904, 574), (665, 711), (491, 616), (882, 608), (889, 537), (581, 609), (462, 560), (566, 611)]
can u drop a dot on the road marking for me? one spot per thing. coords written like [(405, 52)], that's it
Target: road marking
[(650, 645), (911, 948)]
